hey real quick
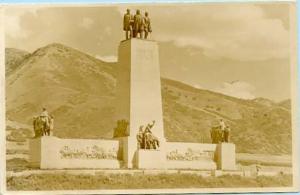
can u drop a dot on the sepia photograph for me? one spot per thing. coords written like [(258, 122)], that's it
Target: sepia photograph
[(149, 98)]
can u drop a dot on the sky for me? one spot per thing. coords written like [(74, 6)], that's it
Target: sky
[(239, 49)]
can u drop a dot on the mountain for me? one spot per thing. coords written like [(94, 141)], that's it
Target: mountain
[(285, 104), (76, 88), (256, 128), (264, 102), (79, 91), (13, 58)]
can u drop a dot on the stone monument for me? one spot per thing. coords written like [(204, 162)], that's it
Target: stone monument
[(139, 95), (140, 136)]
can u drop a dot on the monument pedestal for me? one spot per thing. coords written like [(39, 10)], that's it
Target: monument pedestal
[(129, 151), (225, 156), (150, 159), (139, 93)]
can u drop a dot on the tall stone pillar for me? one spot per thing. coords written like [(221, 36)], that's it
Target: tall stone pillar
[(139, 92)]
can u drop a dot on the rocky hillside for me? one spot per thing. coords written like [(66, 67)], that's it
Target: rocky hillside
[(78, 91), (76, 88), (256, 127), (14, 58)]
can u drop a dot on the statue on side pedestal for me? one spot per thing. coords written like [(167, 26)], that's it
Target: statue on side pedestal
[(43, 124)]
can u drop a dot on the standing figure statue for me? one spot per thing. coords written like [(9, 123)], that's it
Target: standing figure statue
[(147, 24), (51, 125), (45, 118), (138, 24), (222, 127), (226, 134), (128, 24)]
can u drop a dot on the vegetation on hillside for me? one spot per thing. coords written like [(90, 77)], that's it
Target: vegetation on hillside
[(189, 114), (79, 91)]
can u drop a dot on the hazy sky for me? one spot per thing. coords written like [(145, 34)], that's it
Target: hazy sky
[(237, 49)]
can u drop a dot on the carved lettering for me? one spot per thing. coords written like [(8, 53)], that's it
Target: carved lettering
[(94, 152)]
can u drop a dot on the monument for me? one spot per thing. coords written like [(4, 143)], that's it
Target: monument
[(140, 142), (139, 93)]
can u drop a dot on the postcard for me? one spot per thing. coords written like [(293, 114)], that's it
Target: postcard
[(149, 98)]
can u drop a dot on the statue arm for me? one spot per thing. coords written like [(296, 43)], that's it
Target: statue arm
[(153, 122)]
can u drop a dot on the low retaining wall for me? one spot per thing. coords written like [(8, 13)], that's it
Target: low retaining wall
[(50, 152)]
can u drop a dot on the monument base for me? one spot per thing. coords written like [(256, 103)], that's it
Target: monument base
[(129, 149), (50, 152), (225, 156), (150, 159), (193, 165)]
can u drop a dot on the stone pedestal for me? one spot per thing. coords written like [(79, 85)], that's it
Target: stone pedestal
[(150, 159), (139, 92), (225, 156), (129, 151), (35, 152)]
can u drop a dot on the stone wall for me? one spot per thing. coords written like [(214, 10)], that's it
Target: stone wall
[(56, 153), (182, 155)]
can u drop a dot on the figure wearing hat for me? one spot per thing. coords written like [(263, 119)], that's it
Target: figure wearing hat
[(127, 24), (138, 24), (45, 117), (147, 24)]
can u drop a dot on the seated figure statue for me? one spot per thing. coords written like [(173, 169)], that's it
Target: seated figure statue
[(146, 139), (140, 138)]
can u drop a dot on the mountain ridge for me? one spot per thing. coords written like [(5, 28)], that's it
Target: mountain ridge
[(79, 90)]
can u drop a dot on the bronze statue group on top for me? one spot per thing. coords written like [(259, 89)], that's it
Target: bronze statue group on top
[(137, 25)]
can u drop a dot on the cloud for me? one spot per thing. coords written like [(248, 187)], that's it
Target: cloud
[(12, 21), (184, 68), (109, 58), (86, 23), (235, 31), (239, 89), (12, 27)]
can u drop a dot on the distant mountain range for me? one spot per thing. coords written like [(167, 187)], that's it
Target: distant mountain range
[(79, 91)]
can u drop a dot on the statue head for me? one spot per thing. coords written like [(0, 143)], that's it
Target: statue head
[(44, 109), (128, 11), (138, 11), (146, 14)]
